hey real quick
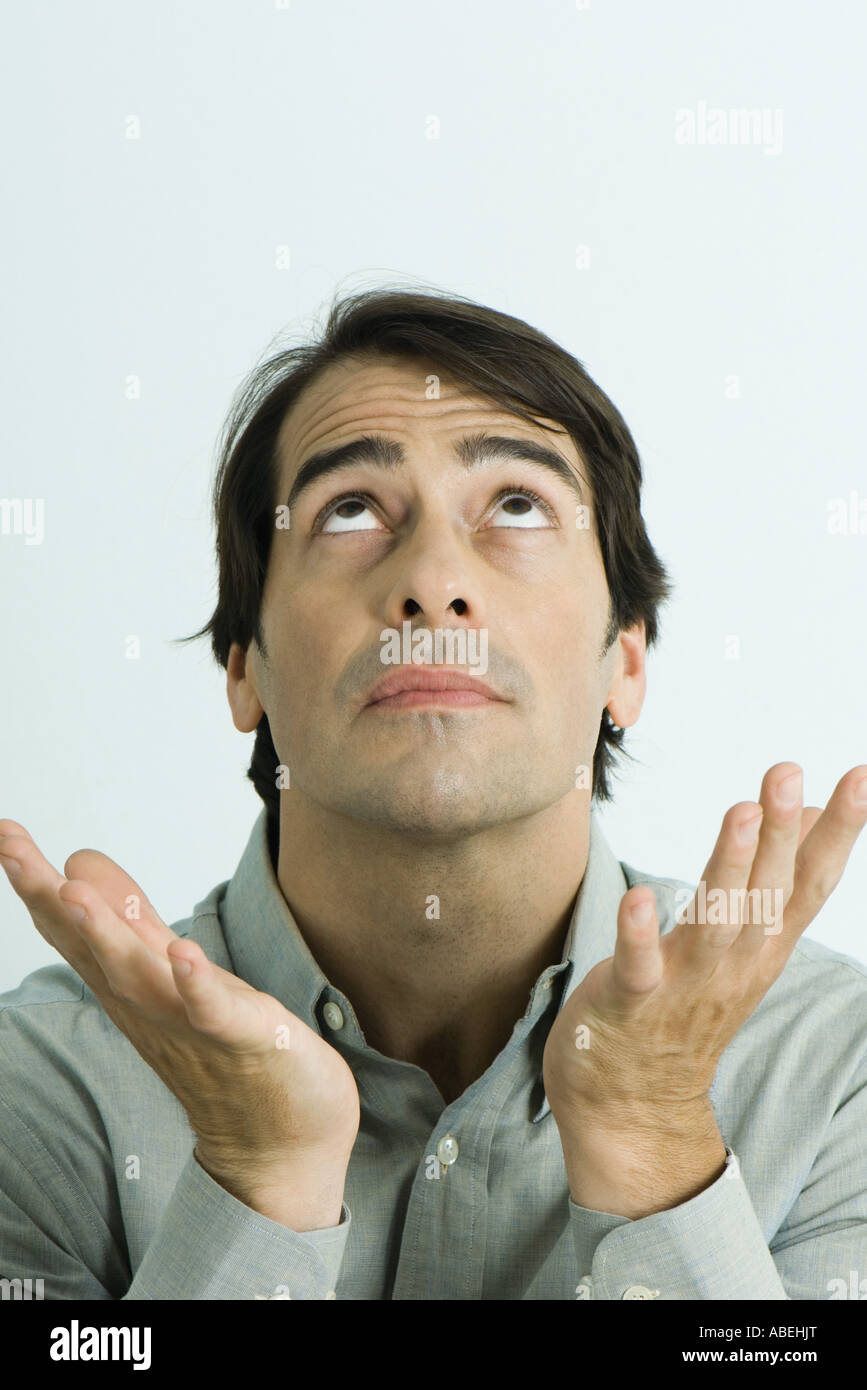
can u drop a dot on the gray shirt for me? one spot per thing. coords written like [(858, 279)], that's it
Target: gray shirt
[(102, 1198)]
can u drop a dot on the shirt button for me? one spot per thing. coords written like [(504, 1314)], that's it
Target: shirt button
[(447, 1150), (641, 1291), (334, 1016)]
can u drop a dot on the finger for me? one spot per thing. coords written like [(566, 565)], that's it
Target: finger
[(750, 941), (37, 884), (135, 974), (711, 921), (210, 1006), (772, 876), (824, 852), (638, 964), (11, 827), (122, 894)]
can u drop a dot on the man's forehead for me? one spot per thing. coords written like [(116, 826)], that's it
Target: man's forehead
[(350, 398)]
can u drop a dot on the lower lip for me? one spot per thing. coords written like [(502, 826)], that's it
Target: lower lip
[(454, 698)]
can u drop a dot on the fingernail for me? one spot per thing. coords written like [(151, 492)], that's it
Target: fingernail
[(790, 790), (643, 913), (75, 910), (180, 967), (860, 797), (12, 866)]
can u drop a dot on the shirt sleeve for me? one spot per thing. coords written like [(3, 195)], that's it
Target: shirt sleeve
[(711, 1247), (58, 1236), (209, 1245), (820, 1248), (41, 1253), (715, 1247)]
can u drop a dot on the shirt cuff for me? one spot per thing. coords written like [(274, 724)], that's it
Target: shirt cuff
[(711, 1247), (209, 1245)]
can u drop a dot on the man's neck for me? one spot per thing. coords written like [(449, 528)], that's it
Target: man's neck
[(436, 946)]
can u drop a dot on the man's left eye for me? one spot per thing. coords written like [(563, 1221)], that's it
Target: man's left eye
[(524, 517)]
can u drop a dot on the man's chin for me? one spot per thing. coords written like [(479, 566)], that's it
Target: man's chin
[(441, 808)]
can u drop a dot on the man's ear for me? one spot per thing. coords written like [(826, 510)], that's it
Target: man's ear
[(629, 683), (242, 688)]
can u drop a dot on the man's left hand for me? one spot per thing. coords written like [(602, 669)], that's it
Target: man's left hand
[(632, 1054)]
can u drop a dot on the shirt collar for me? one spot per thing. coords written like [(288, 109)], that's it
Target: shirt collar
[(264, 941), (269, 952), (593, 927)]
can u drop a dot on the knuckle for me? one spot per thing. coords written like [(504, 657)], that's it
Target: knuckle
[(18, 846), (816, 879), (59, 906), (9, 829), (823, 884), (732, 818)]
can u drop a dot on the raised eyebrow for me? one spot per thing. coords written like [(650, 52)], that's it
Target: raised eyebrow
[(473, 450)]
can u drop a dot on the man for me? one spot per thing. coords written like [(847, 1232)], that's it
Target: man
[(432, 1040)]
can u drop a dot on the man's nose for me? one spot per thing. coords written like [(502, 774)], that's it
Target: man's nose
[(436, 576)]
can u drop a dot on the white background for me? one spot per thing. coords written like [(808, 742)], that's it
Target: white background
[(307, 126)]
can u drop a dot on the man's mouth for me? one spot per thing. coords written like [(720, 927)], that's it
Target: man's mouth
[(410, 687)]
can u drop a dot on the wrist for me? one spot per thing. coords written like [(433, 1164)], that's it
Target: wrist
[(651, 1166), (302, 1191)]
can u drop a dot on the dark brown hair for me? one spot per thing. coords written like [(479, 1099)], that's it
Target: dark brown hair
[(504, 360)]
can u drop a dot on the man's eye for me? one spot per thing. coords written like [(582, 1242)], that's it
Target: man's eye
[(524, 517), (347, 513), (337, 512)]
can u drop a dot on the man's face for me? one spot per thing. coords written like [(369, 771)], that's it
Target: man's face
[(440, 545)]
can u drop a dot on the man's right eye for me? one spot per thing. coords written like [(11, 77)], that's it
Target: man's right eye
[(336, 512)]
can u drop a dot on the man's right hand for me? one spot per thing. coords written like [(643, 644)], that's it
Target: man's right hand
[(274, 1107)]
